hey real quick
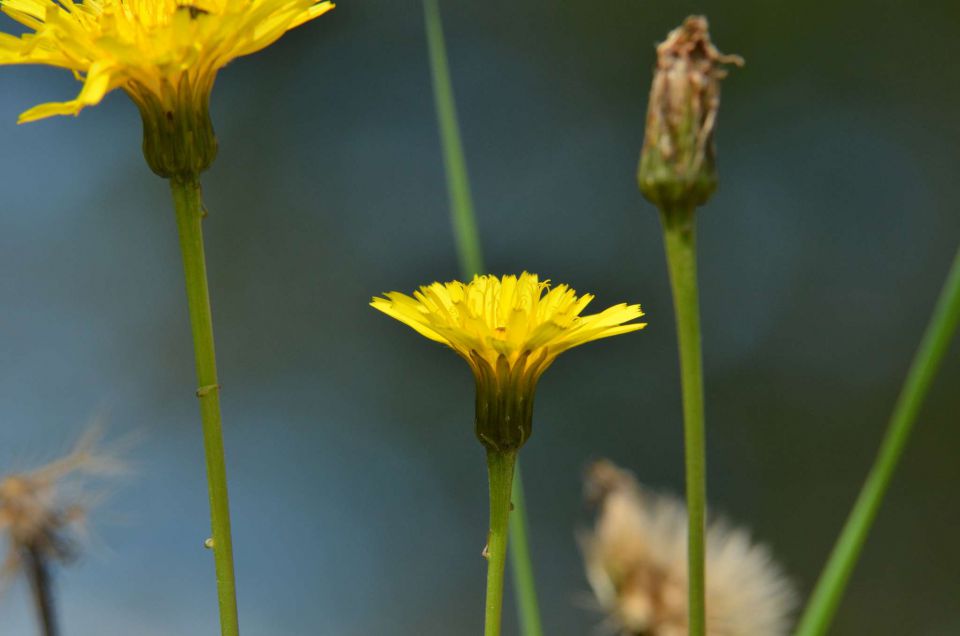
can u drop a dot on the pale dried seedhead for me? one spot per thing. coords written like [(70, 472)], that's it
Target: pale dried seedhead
[(636, 563), (43, 511)]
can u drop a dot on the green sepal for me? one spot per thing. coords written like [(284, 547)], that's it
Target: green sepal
[(178, 137), (504, 407)]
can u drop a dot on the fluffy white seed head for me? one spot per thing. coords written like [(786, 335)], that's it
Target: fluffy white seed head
[(44, 511), (636, 562)]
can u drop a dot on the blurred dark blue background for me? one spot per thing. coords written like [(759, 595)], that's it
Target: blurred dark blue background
[(358, 489)]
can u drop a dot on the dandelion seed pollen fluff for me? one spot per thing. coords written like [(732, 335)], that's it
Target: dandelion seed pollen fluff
[(636, 563)]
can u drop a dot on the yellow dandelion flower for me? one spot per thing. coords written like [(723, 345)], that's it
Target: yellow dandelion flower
[(164, 53), (509, 330), (150, 48)]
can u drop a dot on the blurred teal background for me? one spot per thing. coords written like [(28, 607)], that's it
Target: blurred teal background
[(358, 490)]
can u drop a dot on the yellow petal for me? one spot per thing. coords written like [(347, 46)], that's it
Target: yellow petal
[(146, 45), (49, 110), (507, 319)]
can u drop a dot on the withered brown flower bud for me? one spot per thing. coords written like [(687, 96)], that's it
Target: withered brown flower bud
[(677, 165)]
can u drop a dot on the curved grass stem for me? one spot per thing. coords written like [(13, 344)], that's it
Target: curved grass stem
[(823, 603), (521, 564), (455, 165)]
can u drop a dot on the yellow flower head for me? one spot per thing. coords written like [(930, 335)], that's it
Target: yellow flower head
[(518, 318), (509, 330), (153, 49)]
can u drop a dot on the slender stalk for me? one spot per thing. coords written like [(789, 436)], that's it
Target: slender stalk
[(470, 255), (42, 587), (190, 213), (828, 592), (522, 565), (500, 468), (458, 182), (679, 232)]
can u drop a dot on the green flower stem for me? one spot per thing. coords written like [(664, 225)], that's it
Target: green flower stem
[(500, 466), (828, 592), (38, 571), (522, 565), (679, 233), (470, 254), (190, 213)]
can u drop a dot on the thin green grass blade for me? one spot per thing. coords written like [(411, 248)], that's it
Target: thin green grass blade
[(826, 597), (458, 182)]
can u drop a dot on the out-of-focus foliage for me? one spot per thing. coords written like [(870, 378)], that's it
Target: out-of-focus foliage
[(821, 255)]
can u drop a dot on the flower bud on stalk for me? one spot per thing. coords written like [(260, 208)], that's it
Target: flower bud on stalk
[(677, 173), (165, 54), (677, 164)]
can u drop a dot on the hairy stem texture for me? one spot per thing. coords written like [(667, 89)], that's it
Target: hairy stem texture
[(190, 213), (500, 467)]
